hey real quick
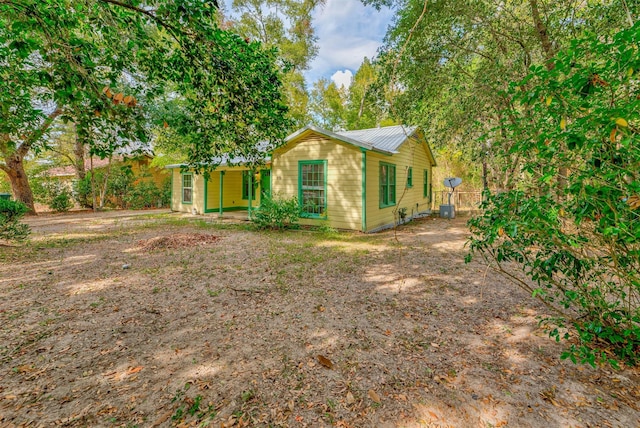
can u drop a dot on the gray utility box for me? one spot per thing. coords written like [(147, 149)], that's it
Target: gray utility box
[(447, 211)]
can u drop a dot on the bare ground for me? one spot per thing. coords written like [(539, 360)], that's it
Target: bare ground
[(131, 319)]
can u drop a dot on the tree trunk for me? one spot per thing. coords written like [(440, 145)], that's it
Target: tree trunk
[(14, 161), (549, 53), (19, 181), (543, 35)]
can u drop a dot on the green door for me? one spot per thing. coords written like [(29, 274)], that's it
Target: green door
[(265, 183)]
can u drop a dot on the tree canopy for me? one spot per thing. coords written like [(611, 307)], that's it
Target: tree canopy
[(449, 63), (102, 63)]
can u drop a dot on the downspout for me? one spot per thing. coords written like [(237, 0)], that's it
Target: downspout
[(221, 192), (364, 188)]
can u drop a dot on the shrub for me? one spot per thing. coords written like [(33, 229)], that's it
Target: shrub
[(142, 195), (119, 185), (277, 213), (166, 193), (82, 191), (10, 227), (60, 201), (572, 225)]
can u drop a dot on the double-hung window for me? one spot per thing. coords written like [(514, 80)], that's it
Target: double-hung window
[(387, 184), (187, 188), (312, 188), (425, 183), (410, 177)]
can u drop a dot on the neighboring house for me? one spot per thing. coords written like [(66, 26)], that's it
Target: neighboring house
[(357, 180), (140, 166)]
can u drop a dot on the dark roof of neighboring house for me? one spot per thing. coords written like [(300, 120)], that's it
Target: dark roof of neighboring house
[(70, 170)]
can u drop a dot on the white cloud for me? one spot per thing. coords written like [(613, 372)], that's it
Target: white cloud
[(347, 32), (342, 78)]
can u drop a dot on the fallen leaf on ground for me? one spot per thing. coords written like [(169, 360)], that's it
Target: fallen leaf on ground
[(374, 396), (350, 398), (133, 370), (325, 362)]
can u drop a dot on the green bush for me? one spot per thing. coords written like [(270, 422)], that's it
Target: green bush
[(119, 185), (10, 227), (142, 195), (277, 213), (569, 232), (82, 191), (61, 201), (166, 193)]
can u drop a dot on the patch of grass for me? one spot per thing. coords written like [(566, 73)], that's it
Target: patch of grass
[(247, 395), (214, 293), (97, 303)]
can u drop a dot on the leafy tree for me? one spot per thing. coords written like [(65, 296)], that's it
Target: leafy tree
[(327, 105), (100, 63), (578, 245), (447, 64), (367, 99), (285, 25)]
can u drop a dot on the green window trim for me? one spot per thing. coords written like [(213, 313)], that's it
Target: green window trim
[(409, 177), (245, 186), (387, 184), (312, 188), (425, 183), (187, 188)]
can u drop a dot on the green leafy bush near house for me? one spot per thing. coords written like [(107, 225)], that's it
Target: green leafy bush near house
[(55, 194), (277, 213), (122, 191), (10, 227), (60, 199), (143, 195)]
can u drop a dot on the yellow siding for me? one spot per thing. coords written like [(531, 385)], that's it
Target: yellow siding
[(143, 172), (213, 191), (232, 191), (344, 178), (176, 193), (412, 154)]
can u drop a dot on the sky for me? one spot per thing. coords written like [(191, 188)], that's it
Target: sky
[(347, 32)]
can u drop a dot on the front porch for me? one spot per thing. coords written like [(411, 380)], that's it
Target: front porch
[(225, 190), (235, 192)]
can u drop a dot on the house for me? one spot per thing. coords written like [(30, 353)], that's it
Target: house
[(140, 166), (360, 180)]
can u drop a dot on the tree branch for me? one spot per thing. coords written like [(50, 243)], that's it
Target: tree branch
[(173, 30), (34, 136)]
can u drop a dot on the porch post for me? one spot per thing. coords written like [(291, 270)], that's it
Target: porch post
[(221, 192)]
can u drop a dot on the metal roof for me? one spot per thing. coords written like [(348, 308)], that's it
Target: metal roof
[(387, 139), (224, 161)]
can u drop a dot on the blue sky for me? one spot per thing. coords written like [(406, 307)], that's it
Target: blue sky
[(347, 32)]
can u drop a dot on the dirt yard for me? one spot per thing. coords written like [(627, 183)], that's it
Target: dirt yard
[(156, 319)]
